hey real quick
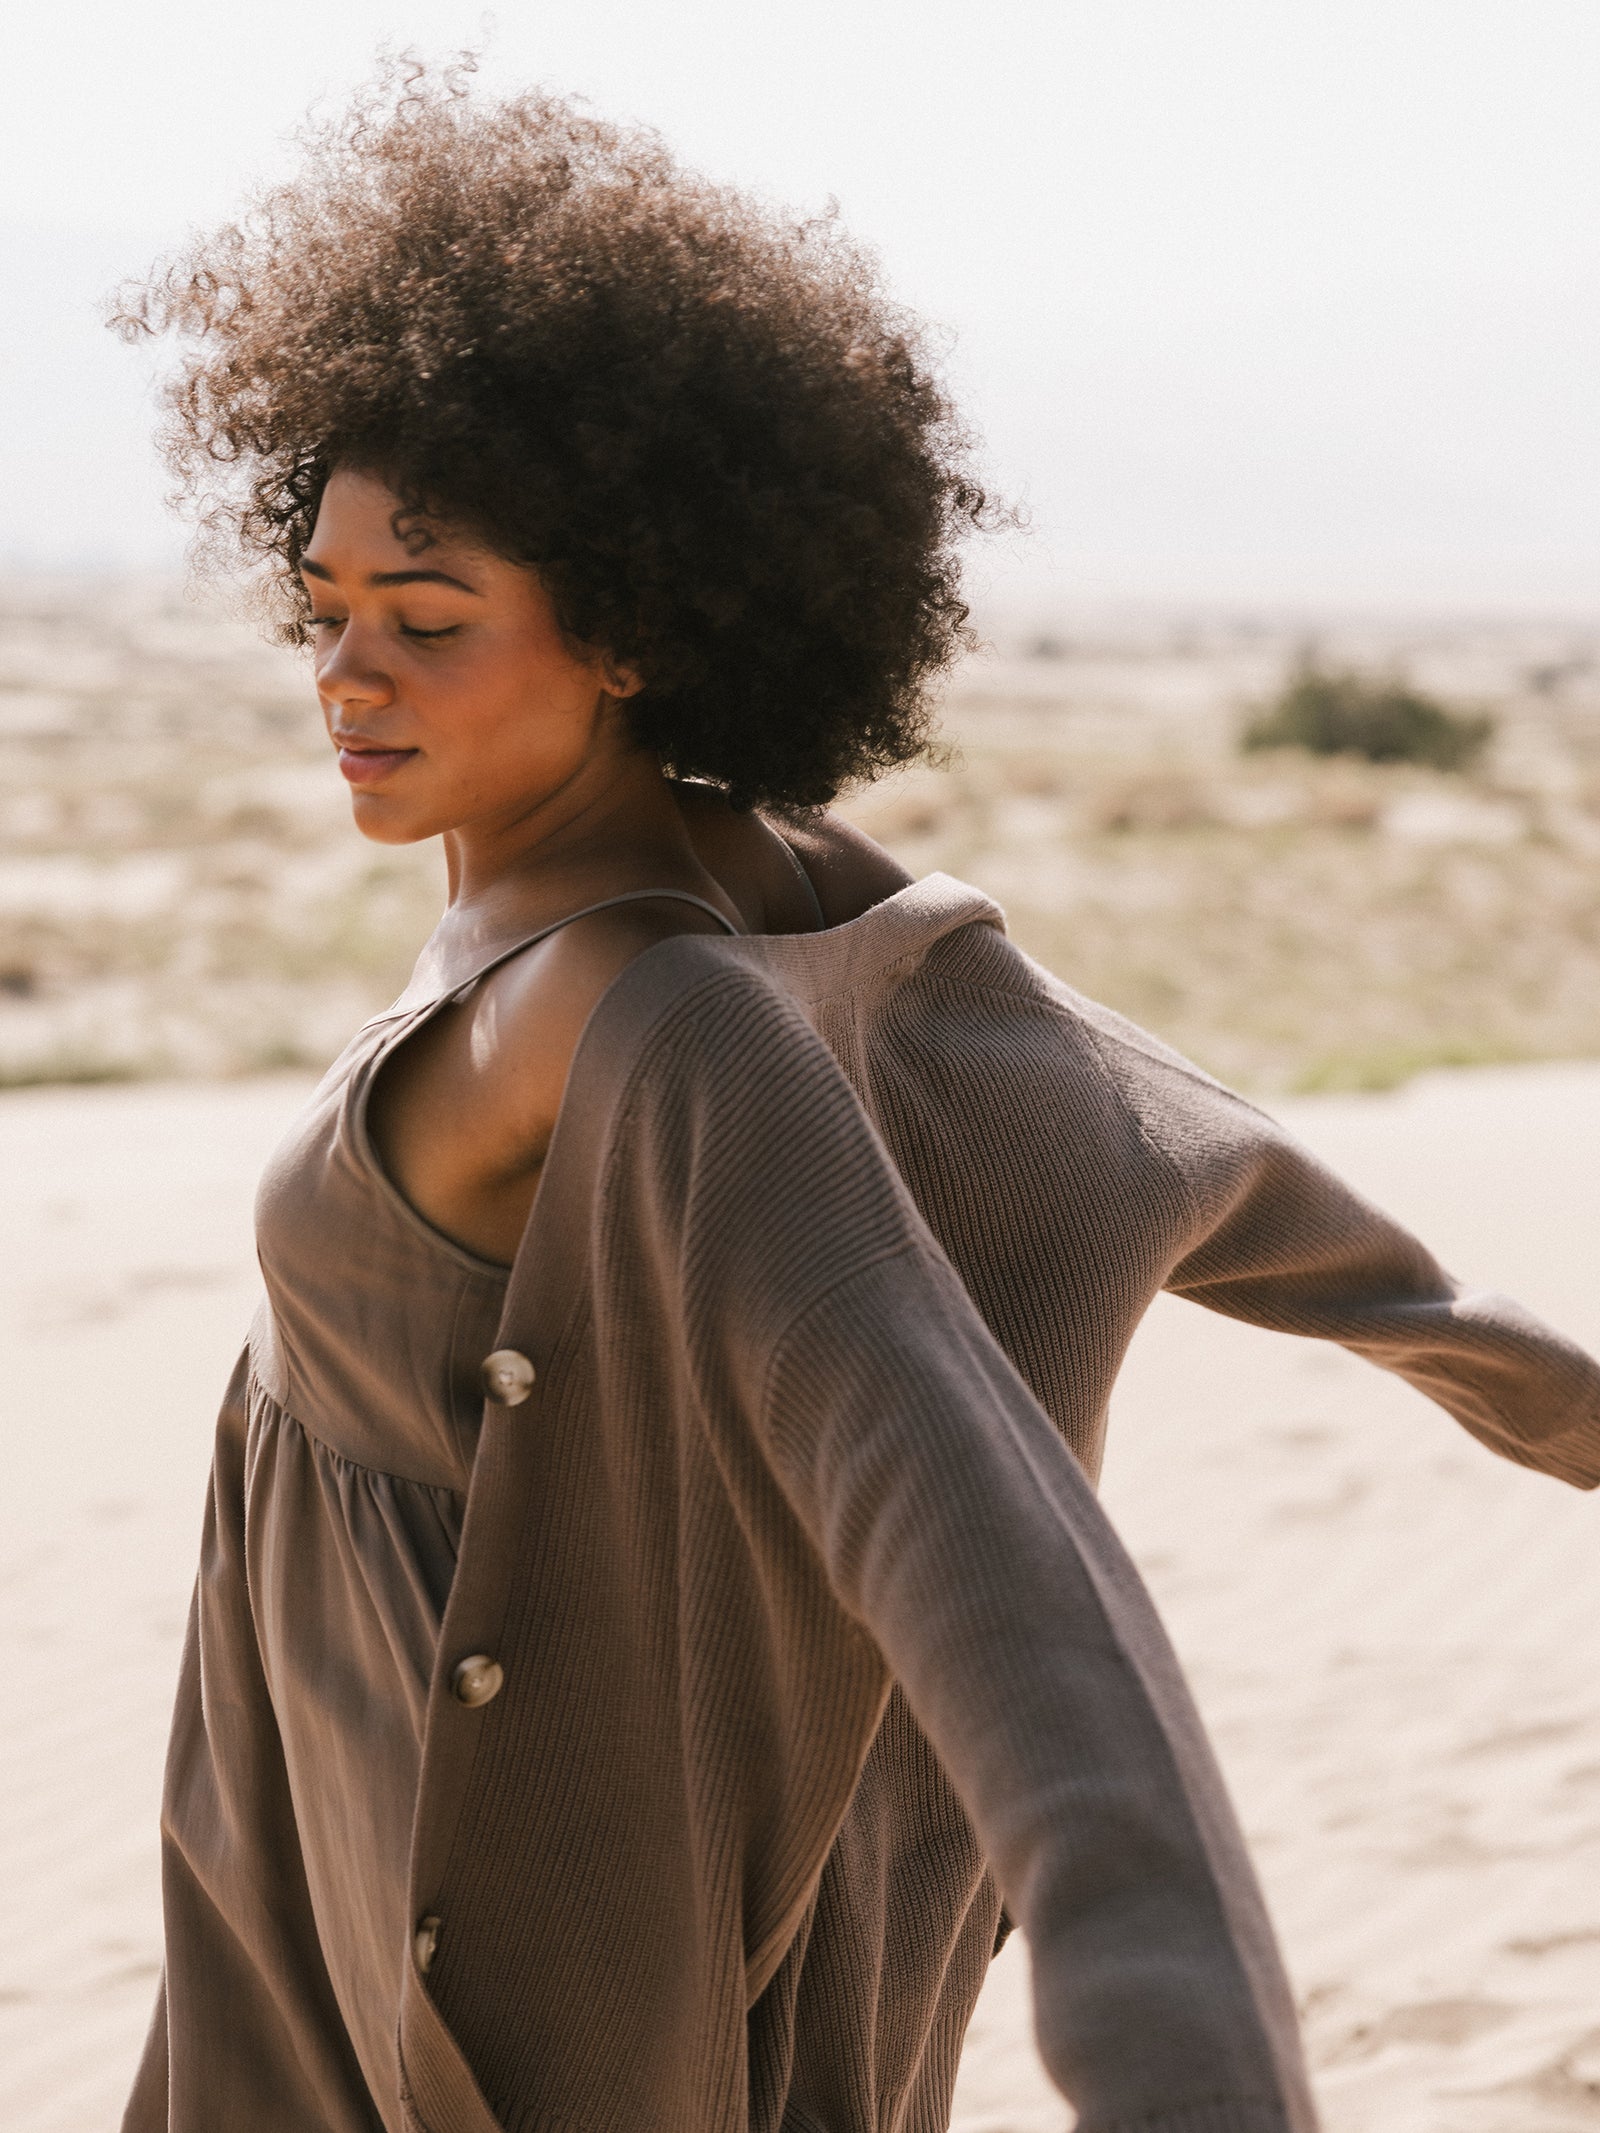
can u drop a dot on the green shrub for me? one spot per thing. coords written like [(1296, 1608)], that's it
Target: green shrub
[(1343, 713)]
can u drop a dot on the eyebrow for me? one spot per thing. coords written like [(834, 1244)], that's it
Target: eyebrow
[(395, 577)]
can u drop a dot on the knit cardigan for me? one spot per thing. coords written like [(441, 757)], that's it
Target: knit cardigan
[(812, 1631)]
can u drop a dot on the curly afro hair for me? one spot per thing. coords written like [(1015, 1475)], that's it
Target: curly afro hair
[(724, 451)]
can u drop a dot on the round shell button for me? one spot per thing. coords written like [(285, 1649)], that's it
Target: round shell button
[(425, 1943), (507, 1377), (478, 1679)]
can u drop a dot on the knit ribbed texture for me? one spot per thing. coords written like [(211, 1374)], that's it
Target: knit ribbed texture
[(805, 1607), (764, 1394)]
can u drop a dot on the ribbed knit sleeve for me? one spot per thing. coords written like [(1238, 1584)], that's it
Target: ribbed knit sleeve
[(829, 1342), (1275, 1238), (790, 1561)]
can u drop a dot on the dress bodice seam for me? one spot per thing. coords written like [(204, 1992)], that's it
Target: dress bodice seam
[(280, 1413)]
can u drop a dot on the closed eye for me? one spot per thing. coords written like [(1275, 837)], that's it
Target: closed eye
[(407, 631)]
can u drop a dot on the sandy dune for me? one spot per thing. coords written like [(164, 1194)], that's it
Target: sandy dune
[(1394, 1636)]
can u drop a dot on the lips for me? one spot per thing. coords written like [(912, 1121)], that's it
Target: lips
[(364, 765)]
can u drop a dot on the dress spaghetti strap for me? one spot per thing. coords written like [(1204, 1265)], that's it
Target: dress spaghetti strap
[(625, 896), (634, 896), (806, 882)]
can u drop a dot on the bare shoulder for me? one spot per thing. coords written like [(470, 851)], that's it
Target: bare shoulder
[(533, 1010), (849, 870), (461, 1117)]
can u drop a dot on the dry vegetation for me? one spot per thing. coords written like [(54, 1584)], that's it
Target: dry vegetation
[(180, 890)]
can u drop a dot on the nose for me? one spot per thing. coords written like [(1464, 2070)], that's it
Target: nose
[(350, 673)]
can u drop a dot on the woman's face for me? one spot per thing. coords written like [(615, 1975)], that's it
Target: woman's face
[(449, 691)]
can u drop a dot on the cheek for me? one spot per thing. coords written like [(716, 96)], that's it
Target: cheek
[(498, 704)]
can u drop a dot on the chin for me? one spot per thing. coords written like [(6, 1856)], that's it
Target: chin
[(381, 824)]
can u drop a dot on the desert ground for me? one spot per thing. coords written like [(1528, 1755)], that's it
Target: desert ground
[(180, 892), (1393, 1636)]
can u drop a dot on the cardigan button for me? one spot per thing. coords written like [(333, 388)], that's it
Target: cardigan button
[(507, 1377), (425, 1943), (477, 1680)]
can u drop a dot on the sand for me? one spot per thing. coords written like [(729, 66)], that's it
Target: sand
[(1393, 1635)]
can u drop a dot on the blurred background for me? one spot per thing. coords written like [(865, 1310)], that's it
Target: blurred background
[(1281, 324)]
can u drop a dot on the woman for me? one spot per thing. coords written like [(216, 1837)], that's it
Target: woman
[(649, 1607)]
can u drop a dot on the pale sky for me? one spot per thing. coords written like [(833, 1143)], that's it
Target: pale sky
[(1256, 302)]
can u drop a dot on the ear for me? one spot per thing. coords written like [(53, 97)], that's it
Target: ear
[(617, 680)]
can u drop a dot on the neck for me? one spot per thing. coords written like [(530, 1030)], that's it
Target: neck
[(610, 817), (614, 825)]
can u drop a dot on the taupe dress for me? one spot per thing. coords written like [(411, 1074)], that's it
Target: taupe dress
[(343, 1459)]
